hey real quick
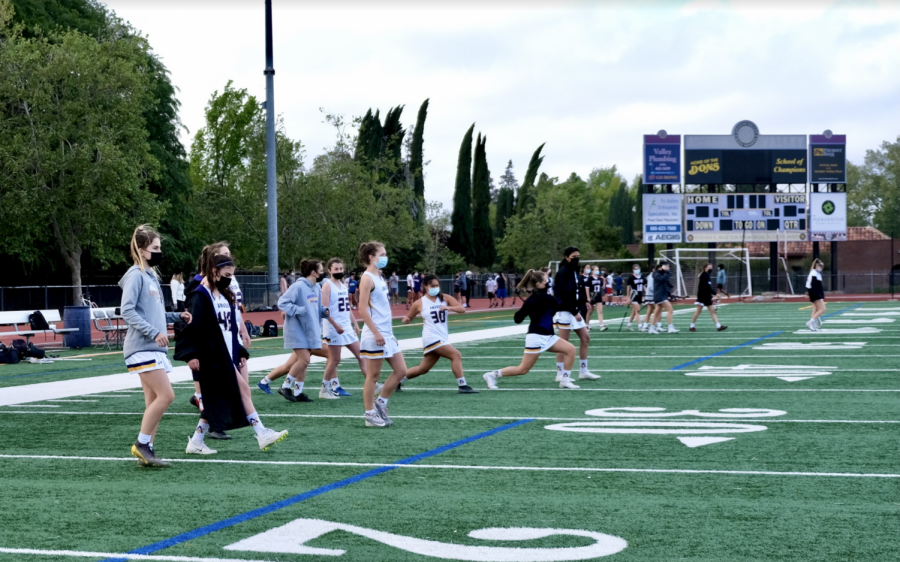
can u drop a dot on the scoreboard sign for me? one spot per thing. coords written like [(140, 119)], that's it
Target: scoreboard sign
[(749, 217), (745, 157)]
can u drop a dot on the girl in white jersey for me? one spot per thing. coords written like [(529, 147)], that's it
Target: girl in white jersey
[(435, 336), (338, 330), (377, 342)]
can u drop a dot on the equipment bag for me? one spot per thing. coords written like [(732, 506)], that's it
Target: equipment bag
[(254, 331), (8, 355), (37, 321), (270, 329), (35, 351)]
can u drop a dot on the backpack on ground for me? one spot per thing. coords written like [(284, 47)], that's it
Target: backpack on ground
[(8, 355), (37, 321), (254, 331), (270, 329), (28, 349)]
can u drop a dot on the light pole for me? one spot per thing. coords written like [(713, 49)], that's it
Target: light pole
[(271, 185)]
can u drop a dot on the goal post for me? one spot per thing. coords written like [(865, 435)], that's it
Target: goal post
[(688, 262)]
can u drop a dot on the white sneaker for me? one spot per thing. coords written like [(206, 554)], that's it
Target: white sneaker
[(378, 387), (587, 375), (603, 327), (567, 383), (327, 394), (269, 437), (629, 328), (652, 330), (558, 376), (201, 449), (672, 329), (812, 326), (819, 322), (374, 420), (491, 379), (642, 328)]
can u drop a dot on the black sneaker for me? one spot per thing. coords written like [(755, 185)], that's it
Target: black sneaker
[(194, 402), (399, 387), (467, 390), (221, 435), (286, 392), (302, 397), (721, 328), (146, 457)]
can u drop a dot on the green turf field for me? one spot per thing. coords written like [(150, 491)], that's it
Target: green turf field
[(757, 443)]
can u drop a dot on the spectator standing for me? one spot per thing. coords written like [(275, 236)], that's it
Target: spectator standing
[(395, 288), (721, 281), (177, 285), (456, 286), (417, 286), (410, 285), (283, 283), (352, 284), (464, 288), (501, 289), (491, 287), (619, 285)]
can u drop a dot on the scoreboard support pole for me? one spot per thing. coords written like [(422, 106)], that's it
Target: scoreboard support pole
[(773, 254), (815, 187), (669, 246), (833, 187), (712, 188), (651, 247)]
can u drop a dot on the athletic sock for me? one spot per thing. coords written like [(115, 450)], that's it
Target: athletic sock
[(288, 382), (381, 400), (659, 325), (498, 374), (692, 325), (298, 388), (404, 379), (335, 383), (257, 423), (143, 439), (584, 365), (566, 374), (202, 429), (559, 366), (461, 381), (370, 412), (718, 325)]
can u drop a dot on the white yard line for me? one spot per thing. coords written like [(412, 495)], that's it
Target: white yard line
[(111, 383), (475, 467)]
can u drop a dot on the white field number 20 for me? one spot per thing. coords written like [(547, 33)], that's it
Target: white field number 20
[(689, 432), (292, 539)]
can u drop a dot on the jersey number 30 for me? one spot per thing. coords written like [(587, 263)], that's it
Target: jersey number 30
[(438, 316)]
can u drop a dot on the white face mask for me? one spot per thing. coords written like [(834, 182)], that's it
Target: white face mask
[(637, 271)]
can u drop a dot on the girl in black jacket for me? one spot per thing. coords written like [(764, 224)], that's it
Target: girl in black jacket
[(539, 309), (705, 294)]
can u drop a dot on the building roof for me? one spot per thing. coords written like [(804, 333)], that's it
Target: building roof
[(799, 249)]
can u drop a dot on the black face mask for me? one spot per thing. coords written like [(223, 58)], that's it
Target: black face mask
[(541, 290), (223, 283), (574, 263), (155, 259), (337, 276), (319, 278)]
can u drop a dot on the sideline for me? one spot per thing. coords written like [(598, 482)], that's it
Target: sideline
[(123, 381)]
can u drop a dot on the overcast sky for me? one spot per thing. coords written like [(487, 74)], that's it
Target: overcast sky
[(587, 78)]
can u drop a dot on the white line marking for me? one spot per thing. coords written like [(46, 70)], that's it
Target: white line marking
[(70, 401), (860, 321), (871, 314), (88, 554), (478, 467), (463, 418), (34, 406)]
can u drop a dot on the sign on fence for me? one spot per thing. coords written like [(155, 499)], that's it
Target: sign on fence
[(828, 217), (662, 217)]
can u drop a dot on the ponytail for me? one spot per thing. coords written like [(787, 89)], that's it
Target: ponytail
[(143, 236), (530, 280), (367, 251)]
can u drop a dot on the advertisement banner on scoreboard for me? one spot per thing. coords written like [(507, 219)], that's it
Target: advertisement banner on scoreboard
[(662, 159), (745, 217), (828, 159), (784, 166), (662, 218), (828, 217)]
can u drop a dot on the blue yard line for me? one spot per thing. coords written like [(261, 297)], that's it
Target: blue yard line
[(724, 351), (259, 512), (843, 310)]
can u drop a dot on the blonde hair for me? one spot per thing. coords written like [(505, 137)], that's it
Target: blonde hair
[(143, 236), (817, 262), (178, 277)]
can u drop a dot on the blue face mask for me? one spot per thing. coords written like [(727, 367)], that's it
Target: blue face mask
[(382, 262), (434, 291)]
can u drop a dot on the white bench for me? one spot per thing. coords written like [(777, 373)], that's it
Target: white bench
[(16, 317)]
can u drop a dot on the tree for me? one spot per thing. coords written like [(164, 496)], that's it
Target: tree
[(637, 189), (417, 164), (873, 189), (505, 202), (461, 237), (621, 212), (525, 200), (484, 251), (74, 159), (228, 203), (438, 258)]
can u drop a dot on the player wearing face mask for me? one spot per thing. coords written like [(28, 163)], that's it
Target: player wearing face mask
[(433, 307), (596, 284), (570, 293), (705, 294), (636, 287), (816, 295)]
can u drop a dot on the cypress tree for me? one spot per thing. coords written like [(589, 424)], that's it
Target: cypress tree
[(461, 237), (485, 253), (525, 201), (505, 202), (392, 134), (638, 192), (416, 161), (362, 139)]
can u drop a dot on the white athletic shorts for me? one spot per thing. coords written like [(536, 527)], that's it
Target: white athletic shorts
[(567, 321), (431, 345), (348, 337), (536, 343), (369, 350), (144, 361)]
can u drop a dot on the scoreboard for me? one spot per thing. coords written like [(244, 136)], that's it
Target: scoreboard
[(750, 217)]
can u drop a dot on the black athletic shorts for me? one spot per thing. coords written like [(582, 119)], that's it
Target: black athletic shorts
[(719, 286), (637, 298), (706, 303), (813, 297)]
